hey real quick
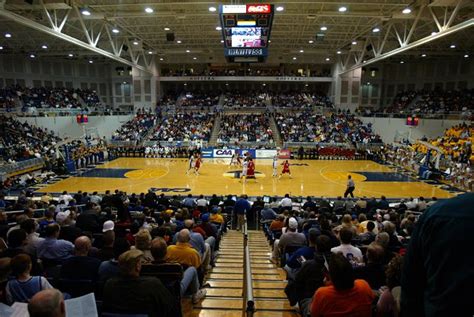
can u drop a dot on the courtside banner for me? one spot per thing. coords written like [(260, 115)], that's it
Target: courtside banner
[(207, 153), (251, 151), (284, 154), (265, 153), (223, 153)]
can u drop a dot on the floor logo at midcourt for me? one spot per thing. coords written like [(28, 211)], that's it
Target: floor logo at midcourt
[(238, 174)]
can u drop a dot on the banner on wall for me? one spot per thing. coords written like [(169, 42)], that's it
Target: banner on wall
[(207, 153), (284, 154), (265, 153), (242, 152), (222, 153)]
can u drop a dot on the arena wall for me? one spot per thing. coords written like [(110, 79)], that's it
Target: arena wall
[(388, 128), (67, 126)]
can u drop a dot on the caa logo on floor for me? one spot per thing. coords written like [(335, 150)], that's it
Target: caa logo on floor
[(170, 190)]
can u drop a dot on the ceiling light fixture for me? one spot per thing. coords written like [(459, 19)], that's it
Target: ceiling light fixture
[(376, 30), (135, 43), (188, 51), (1, 47), (434, 33), (70, 55), (342, 9), (324, 28), (301, 51), (218, 28), (212, 9), (32, 55), (115, 30), (402, 62), (452, 46), (161, 58), (423, 55), (294, 58), (178, 41), (339, 52), (150, 52), (85, 12), (327, 59), (195, 58), (222, 41), (166, 29), (466, 55), (45, 47), (149, 10), (8, 35), (280, 8), (310, 41), (91, 61), (354, 43), (406, 11)]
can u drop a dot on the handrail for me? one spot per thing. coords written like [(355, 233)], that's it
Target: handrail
[(249, 300)]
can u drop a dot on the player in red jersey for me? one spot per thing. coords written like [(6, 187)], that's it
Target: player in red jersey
[(197, 164), (251, 169), (286, 169)]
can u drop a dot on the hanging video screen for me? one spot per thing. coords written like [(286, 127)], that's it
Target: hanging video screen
[(247, 37)]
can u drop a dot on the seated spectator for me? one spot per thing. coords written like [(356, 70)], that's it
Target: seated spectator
[(48, 218), (305, 253), (143, 243), (110, 268), (130, 293), (106, 252), (267, 213), (345, 296), (17, 240), (389, 300), (190, 280), (33, 239), (278, 223), (353, 254), (290, 238), (53, 248), (66, 220), (24, 286), (183, 253), (373, 272), (47, 303), (81, 266), (368, 236), (310, 277)]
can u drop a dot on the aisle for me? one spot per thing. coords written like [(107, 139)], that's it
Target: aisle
[(225, 294)]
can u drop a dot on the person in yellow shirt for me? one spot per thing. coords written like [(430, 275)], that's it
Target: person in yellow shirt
[(183, 253), (216, 216)]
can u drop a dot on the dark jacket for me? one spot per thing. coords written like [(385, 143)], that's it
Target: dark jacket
[(438, 269)]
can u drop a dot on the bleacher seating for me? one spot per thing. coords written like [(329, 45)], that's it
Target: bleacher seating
[(245, 128)]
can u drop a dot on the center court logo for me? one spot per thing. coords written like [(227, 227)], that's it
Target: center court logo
[(238, 174)]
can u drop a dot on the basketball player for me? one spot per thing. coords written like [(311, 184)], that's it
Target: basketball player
[(251, 169), (286, 169), (197, 164), (190, 163), (239, 159), (147, 151), (234, 160), (275, 166), (244, 170)]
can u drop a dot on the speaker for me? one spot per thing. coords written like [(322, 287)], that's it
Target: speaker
[(125, 47), (170, 37)]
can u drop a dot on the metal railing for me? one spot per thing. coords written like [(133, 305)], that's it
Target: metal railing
[(249, 300), (436, 116), (16, 167), (320, 144)]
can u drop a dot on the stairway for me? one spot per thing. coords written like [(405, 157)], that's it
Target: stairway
[(225, 294), (276, 131), (216, 128)]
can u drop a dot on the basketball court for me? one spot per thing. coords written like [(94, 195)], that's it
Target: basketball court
[(310, 177)]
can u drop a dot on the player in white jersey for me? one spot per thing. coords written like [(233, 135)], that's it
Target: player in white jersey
[(245, 165), (190, 164), (147, 151), (155, 150), (275, 166)]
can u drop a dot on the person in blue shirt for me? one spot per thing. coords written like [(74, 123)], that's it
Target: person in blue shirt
[(53, 248), (294, 263), (241, 208)]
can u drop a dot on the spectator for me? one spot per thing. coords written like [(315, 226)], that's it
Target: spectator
[(131, 293), (81, 266), (52, 248), (241, 208), (47, 303), (24, 286), (353, 254), (345, 296), (373, 272), (183, 253), (110, 268), (290, 237)]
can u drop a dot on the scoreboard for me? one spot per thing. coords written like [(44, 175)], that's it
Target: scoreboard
[(246, 31)]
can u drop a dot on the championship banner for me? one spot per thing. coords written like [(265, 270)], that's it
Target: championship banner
[(284, 154)]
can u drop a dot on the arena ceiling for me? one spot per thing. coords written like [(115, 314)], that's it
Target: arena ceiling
[(58, 28)]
